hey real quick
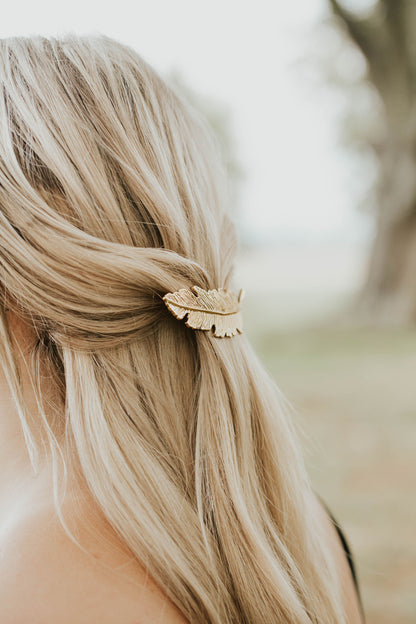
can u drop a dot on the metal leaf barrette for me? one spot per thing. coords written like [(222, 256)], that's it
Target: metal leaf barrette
[(218, 310)]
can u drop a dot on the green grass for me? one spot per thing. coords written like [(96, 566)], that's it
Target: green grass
[(353, 391)]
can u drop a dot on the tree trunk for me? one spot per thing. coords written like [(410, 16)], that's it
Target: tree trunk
[(386, 39), (389, 293)]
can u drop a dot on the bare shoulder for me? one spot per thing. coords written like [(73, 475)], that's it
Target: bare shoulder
[(46, 578), (351, 602)]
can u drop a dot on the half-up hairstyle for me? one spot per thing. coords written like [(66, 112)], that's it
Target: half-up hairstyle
[(113, 193)]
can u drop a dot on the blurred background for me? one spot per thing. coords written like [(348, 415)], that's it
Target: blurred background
[(314, 104)]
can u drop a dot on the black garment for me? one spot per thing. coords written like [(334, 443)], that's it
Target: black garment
[(348, 554)]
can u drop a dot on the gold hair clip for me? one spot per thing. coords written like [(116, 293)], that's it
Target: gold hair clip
[(218, 309)]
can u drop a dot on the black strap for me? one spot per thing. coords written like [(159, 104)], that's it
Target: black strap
[(348, 554)]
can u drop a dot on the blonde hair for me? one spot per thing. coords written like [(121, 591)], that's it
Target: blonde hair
[(113, 193)]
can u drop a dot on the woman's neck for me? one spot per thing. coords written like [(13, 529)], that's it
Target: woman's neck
[(19, 482)]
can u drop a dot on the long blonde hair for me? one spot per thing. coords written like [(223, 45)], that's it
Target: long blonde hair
[(113, 193)]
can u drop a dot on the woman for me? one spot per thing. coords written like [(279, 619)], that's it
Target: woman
[(149, 472)]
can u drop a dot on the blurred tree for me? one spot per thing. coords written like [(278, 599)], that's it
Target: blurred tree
[(219, 118), (386, 37)]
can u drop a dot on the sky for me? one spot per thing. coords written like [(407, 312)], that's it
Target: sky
[(243, 54)]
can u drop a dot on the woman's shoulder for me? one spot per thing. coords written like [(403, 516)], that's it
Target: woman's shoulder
[(46, 578)]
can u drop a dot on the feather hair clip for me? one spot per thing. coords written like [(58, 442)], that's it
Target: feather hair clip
[(217, 309)]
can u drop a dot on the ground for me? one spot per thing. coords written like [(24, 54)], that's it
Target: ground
[(353, 395)]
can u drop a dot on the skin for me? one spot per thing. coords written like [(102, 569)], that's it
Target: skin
[(44, 576), (47, 579)]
